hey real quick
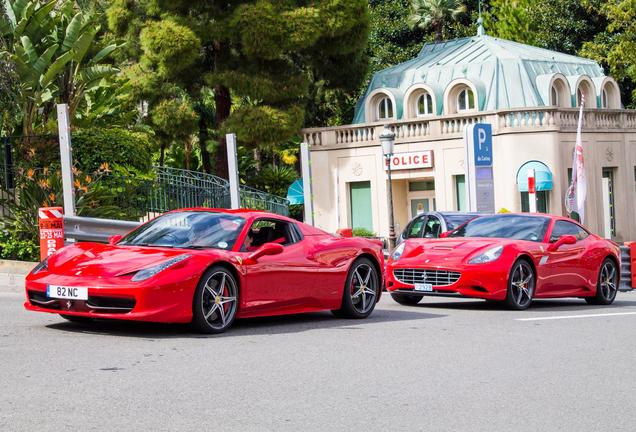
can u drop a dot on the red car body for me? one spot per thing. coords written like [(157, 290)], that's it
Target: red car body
[(308, 275), (562, 270)]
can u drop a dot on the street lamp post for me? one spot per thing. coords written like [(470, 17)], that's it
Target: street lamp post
[(387, 139)]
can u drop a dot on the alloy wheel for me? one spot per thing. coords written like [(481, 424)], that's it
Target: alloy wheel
[(363, 288), (218, 300), (607, 280), (522, 284)]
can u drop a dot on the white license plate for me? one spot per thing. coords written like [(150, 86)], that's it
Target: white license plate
[(424, 287), (64, 292)]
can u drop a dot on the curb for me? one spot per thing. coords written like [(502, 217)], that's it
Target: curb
[(12, 274)]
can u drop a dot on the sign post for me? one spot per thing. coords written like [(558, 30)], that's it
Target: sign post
[(480, 189), (233, 171), (305, 165), (66, 156), (51, 224), (532, 191)]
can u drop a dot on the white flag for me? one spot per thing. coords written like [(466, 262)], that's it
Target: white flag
[(577, 192)]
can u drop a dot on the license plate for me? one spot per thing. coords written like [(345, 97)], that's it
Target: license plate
[(424, 287), (64, 292)]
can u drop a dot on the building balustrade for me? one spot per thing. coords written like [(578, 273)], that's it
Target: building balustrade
[(452, 126)]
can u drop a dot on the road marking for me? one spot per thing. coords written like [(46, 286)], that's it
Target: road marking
[(575, 316)]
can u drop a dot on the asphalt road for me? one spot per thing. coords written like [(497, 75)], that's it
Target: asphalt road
[(445, 365)]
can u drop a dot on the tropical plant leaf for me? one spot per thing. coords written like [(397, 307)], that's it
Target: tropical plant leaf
[(103, 53), (84, 42), (45, 59), (10, 11), (39, 21), (72, 32), (29, 50), (56, 67), (95, 73)]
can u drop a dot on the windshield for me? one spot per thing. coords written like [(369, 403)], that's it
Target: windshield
[(193, 229), (515, 227), (455, 220)]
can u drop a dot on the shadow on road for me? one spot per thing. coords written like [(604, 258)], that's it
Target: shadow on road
[(542, 305), (283, 324)]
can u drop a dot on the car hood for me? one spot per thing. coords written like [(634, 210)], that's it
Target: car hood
[(445, 251), (101, 260)]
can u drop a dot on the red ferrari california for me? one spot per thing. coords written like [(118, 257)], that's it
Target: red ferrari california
[(512, 258), (208, 267)]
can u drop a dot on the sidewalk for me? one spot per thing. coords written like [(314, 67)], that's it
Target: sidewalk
[(12, 275)]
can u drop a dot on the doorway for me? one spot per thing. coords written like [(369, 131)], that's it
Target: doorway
[(421, 197)]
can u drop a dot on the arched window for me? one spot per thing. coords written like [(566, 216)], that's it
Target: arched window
[(465, 100), (424, 104), (604, 99), (385, 108), (554, 96), (586, 88)]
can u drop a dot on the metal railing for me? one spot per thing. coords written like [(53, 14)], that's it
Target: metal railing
[(95, 229)]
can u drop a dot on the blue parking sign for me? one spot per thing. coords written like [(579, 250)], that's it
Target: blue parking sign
[(482, 141)]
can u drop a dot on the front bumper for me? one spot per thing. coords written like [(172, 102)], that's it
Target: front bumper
[(475, 281), (169, 302)]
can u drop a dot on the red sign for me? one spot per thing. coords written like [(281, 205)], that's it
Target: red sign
[(411, 160), (51, 222), (531, 185)]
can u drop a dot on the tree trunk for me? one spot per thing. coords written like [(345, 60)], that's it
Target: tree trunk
[(203, 138), (223, 106), (438, 31), (163, 151)]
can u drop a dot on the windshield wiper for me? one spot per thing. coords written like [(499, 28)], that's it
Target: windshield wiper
[(196, 247), (149, 245)]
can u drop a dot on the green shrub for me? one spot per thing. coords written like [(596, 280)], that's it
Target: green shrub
[(15, 246), (362, 232), (94, 147)]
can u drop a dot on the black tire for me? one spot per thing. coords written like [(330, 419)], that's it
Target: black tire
[(361, 290), (77, 319), (606, 284), (407, 299), (521, 284), (215, 301)]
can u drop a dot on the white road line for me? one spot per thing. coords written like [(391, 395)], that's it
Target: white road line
[(575, 316)]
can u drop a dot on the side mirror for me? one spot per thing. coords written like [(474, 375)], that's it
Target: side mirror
[(445, 234), (114, 239), (563, 240), (266, 249)]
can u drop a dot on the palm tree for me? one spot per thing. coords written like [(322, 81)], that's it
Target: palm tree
[(434, 14)]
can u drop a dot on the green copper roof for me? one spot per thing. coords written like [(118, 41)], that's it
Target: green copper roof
[(506, 74)]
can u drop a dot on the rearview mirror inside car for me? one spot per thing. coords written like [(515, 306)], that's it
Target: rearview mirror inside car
[(266, 249), (563, 240)]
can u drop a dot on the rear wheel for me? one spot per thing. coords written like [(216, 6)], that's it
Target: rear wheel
[(77, 319), (607, 284), (407, 299), (360, 292), (215, 301), (521, 283)]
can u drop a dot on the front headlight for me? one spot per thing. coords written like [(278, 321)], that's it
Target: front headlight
[(485, 257), (149, 272), (42, 266), (397, 252)]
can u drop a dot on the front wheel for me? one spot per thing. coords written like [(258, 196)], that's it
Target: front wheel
[(215, 301), (607, 284), (521, 283), (360, 292), (407, 299)]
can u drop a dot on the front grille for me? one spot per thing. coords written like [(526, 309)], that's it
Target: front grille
[(112, 305), (434, 277)]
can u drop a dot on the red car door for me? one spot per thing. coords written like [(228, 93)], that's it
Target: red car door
[(564, 270), (285, 281)]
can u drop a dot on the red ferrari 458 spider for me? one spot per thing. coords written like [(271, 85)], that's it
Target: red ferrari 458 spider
[(208, 267), (512, 258)]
